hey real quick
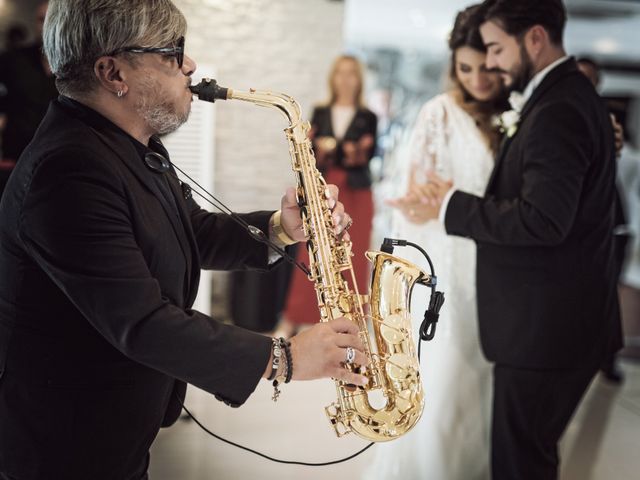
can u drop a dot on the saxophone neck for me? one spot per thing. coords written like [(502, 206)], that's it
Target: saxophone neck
[(297, 129), (209, 91), (281, 102)]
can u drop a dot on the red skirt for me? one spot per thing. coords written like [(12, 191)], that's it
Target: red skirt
[(302, 303)]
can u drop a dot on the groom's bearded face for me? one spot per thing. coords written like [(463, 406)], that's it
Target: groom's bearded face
[(507, 55), (521, 73)]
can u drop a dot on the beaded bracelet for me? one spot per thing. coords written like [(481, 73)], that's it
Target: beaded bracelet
[(287, 352)]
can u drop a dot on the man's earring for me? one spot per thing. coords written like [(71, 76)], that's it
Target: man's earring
[(120, 93)]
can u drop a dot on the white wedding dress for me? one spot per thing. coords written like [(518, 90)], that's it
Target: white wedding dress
[(451, 440)]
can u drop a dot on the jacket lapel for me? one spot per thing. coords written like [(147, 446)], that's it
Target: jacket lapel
[(328, 124), (566, 68), (349, 132), (127, 153), (502, 152), (193, 267)]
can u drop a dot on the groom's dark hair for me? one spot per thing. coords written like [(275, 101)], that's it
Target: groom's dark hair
[(516, 17)]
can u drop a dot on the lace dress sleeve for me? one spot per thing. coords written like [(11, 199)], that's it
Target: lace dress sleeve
[(425, 151), (426, 146)]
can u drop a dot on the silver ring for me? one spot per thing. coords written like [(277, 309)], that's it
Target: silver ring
[(351, 356), (349, 223)]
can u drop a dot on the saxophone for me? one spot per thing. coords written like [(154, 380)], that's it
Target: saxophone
[(394, 367)]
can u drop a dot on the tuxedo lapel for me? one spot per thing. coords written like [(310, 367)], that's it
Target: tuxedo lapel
[(502, 153), (568, 67)]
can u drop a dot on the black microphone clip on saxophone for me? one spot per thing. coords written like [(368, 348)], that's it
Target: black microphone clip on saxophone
[(436, 300)]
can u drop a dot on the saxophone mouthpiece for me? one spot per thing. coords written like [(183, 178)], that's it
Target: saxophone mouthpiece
[(209, 90)]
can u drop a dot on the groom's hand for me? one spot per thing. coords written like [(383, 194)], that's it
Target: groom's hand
[(618, 133)]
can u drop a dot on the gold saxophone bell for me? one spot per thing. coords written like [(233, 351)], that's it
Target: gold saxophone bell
[(394, 367)]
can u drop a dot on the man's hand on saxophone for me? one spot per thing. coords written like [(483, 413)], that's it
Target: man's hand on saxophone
[(292, 222), (322, 351)]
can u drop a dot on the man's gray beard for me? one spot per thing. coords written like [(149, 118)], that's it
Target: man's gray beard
[(159, 115)]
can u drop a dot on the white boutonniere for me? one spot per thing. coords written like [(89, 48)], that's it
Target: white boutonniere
[(508, 121)]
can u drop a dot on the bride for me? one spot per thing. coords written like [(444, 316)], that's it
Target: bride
[(453, 136)]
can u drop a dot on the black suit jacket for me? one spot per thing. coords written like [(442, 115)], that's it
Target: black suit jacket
[(364, 122), (99, 266), (545, 276)]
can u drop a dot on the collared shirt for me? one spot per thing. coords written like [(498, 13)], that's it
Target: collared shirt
[(526, 95), (540, 76)]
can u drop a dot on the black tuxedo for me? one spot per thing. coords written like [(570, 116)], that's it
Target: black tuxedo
[(99, 267), (545, 273), (364, 123), (546, 283)]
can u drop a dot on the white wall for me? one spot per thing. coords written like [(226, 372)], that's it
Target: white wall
[(282, 45)]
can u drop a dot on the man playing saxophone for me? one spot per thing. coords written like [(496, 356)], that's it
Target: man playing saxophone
[(100, 253)]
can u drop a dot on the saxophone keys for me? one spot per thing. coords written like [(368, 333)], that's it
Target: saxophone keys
[(336, 418), (394, 328), (401, 370), (344, 303), (403, 405)]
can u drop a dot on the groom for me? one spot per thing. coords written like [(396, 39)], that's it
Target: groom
[(545, 276)]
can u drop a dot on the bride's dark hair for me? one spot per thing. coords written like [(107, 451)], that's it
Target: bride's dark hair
[(466, 33)]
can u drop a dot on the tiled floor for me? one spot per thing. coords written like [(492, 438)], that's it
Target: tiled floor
[(602, 442)]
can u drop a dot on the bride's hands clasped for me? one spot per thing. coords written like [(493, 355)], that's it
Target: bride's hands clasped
[(422, 202)]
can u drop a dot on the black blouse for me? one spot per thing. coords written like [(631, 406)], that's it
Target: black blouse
[(364, 123)]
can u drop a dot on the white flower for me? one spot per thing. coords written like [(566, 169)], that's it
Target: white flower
[(510, 118), (517, 101), (508, 122)]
